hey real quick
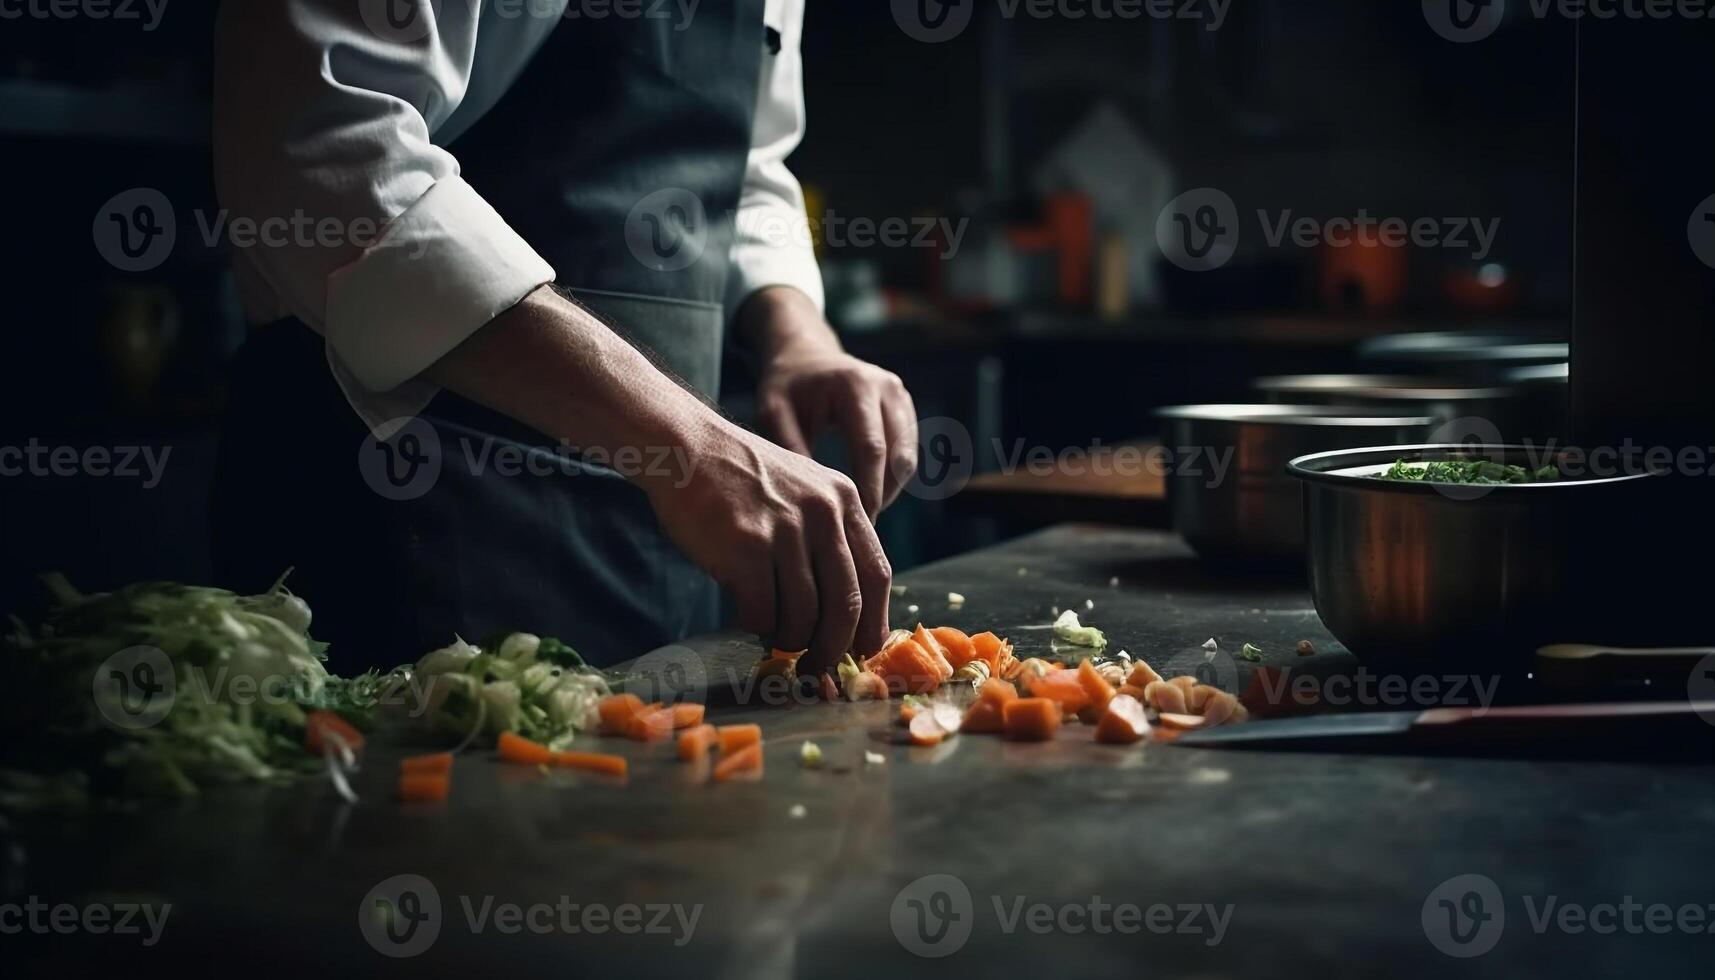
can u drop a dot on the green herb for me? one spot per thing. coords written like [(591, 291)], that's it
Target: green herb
[(537, 687), (1251, 652), (1474, 471)]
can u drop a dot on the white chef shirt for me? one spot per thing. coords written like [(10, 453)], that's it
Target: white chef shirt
[(330, 116)]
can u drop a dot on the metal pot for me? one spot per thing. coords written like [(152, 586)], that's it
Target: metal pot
[(1440, 398), (1418, 576), (1233, 501)]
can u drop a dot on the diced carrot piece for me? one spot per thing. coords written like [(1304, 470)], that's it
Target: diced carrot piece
[(1184, 682), (909, 668), (322, 727), (1089, 714), (1163, 696), (439, 762), (652, 725), (1095, 685), (1220, 707), (736, 737), (617, 711), (907, 712), (1123, 722), (516, 748), (687, 715), (424, 787), (1142, 675), (925, 730), (937, 655), (1199, 696), (985, 717), (1131, 690), (1031, 719), (747, 759), (610, 765), (695, 743), (998, 691), (989, 647), (1062, 686), (1182, 722), (957, 646)]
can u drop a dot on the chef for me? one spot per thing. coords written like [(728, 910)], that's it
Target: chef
[(478, 393)]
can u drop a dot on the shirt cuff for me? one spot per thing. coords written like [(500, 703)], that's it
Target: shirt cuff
[(445, 267), (760, 264)]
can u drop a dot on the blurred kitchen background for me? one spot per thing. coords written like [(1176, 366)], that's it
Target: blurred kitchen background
[(1051, 145)]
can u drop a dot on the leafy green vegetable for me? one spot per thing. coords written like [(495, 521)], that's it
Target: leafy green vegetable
[(536, 687), (1479, 472), (1251, 652)]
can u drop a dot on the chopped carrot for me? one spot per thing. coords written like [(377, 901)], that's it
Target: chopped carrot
[(1163, 696), (652, 725), (909, 668), (439, 762), (1123, 722), (695, 743), (424, 787), (687, 715), (989, 647), (998, 691), (925, 730), (322, 727), (611, 765), (907, 712), (1062, 686), (1095, 685), (1197, 697), (516, 748), (1142, 675), (1182, 722), (747, 759), (1131, 690), (957, 647), (1184, 682), (985, 716), (1220, 708), (1031, 719), (617, 712), (735, 737)]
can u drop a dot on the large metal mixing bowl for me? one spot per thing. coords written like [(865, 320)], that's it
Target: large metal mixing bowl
[(1228, 490)]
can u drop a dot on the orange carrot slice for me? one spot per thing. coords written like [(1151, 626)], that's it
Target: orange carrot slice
[(425, 765), (1123, 722), (1062, 686), (998, 691), (1221, 706), (695, 743), (1166, 697), (516, 748), (1182, 722), (747, 759), (985, 717), (1031, 719), (1142, 675), (989, 647), (1095, 685), (617, 711), (1184, 682), (925, 730), (1131, 690), (609, 765), (907, 713), (736, 737), (426, 787), (687, 715), (322, 727), (955, 645)]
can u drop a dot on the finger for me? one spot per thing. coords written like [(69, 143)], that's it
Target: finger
[(875, 579), (780, 422), (899, 415), (860, 420), (837, 589), (795, 592)]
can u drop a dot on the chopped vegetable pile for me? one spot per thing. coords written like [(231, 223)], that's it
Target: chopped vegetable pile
[(1480, 472), (535, 687)]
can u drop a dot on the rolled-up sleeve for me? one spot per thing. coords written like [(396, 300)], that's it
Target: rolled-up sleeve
[(771, 240), (323, 128)]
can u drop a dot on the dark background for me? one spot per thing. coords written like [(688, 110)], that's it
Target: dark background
[(1323, 108)]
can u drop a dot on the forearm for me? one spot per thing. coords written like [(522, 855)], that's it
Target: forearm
[(554, 366), (780, 319)]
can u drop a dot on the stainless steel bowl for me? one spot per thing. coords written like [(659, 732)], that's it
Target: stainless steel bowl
[(1441, 398), (1228, 490), (1415, 576)]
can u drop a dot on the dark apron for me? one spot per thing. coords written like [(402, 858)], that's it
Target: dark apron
[(619, 155)]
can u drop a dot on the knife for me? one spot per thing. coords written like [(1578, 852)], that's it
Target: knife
[(1651, 728)]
